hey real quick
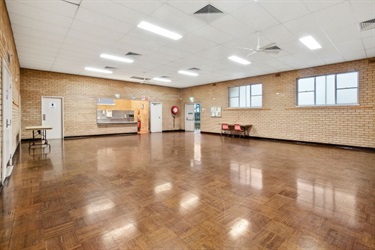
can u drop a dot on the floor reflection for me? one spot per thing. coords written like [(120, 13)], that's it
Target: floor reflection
[(324, 196), (246, 175), (239, 227), (188, 202)]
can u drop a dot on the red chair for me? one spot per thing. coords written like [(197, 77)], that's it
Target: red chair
[(238, 130), (225, 129)]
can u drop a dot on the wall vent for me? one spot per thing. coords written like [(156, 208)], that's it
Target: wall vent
[(110, 67), (367, 25), (277, 74), (371, 61)]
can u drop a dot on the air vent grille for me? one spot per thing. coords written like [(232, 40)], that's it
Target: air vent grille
[(208, 9), (367, 25), (272, 48), (209, 14), (194, 69), (132, 54)]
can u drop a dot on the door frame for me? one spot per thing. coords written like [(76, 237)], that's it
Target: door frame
[(6, 169), (161, 120), (62, 111), (185, 117)]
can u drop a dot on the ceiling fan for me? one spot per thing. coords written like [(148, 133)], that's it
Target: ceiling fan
[(145, 79), (271, 48)]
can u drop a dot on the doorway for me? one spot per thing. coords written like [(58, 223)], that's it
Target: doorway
[(192, 117), (7, 102), (197, 117), (52, 115), (156, 114)]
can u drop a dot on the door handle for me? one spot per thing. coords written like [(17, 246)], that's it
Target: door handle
[(8, 123), (44, 117)]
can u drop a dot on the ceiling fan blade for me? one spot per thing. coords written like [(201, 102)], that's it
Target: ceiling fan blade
[(245, 48), (252, 53), (267, 46)]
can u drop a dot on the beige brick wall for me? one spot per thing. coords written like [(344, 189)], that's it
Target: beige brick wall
[(281, 119), (80, 93), (7, 46)]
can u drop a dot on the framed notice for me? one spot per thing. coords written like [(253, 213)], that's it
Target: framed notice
[(215, 111)]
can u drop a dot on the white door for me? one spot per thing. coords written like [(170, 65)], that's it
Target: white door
[(52, 116), (189, 117), (6, 166), (156, 112)]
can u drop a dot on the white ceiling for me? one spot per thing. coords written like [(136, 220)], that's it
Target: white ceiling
[(54, 35)]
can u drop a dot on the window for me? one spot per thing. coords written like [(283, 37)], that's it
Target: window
[(247, 96), (335, 89)]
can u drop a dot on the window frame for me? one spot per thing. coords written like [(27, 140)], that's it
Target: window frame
[(335, 90), (247, 95)]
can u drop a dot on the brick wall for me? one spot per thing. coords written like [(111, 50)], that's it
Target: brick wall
[(281, 119), (80, 93), (7, 46)]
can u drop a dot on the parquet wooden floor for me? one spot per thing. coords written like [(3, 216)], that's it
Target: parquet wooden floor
[(188, 191)]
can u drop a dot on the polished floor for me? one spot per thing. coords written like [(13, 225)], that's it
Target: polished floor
[(188, 191)]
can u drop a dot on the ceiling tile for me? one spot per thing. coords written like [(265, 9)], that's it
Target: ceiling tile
[(350, 55), (212, 34), (369, 43), (37, 14), (231, 26), (255, 16), (183, 23), (363, 10), (24, 32), (145, 7), (115, 10), (40, 25), (344, 33), (370, 53), (316, 5), (56, 7), (97, 20), (303, 26), (189, 8), (350, 45), (290, 9), (339, 15)]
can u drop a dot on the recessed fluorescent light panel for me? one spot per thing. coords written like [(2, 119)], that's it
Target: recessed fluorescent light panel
[(159, 30), (184, 72), (98, 70), (310, 42), (160, 79), (116, 58), (239, 60)]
